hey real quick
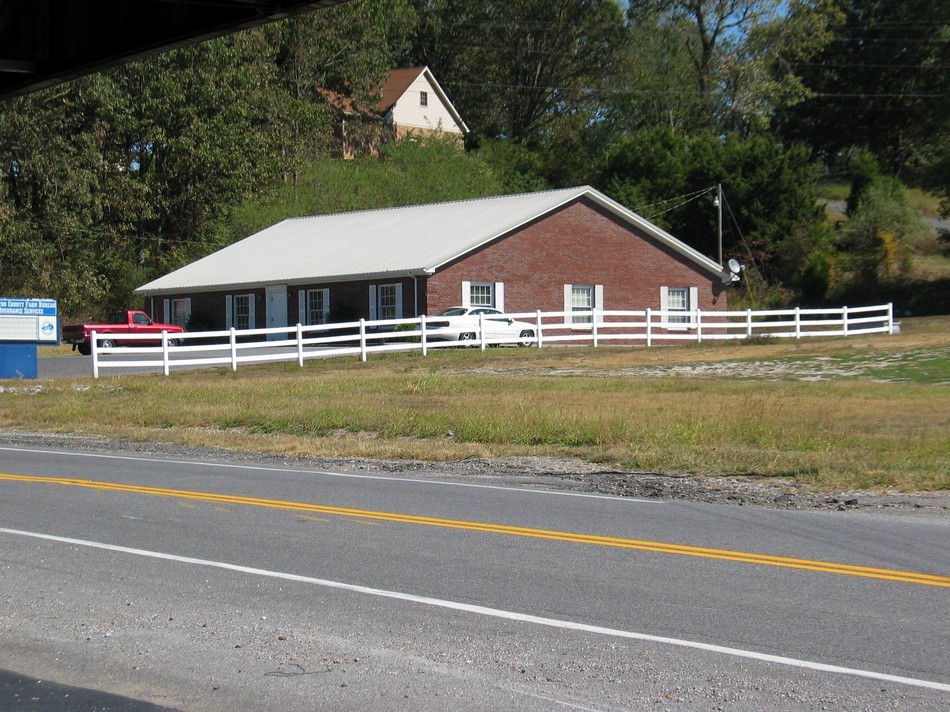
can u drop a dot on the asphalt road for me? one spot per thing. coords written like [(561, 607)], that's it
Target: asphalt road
[(226, 586), (77, 365), (64, 366)]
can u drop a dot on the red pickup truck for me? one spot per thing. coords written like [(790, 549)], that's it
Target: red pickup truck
[(130, 321)]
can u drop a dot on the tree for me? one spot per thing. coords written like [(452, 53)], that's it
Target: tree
[(881, 84), (196, 137), (874, 241), (728, 63), (51, 231), (116, 177), (349, 48), (515, 68), (769, 188)]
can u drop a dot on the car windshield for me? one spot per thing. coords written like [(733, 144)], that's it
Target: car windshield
[(455, 311)]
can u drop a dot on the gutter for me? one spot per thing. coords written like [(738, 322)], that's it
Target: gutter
[(365, 277)]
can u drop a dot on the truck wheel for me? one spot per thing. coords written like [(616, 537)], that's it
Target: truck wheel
[(84, 349), (107, 344)]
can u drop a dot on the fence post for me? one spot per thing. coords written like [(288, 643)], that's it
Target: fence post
[(649, 327), (94, 345), (798, 322), (362, 339), (233, 340), (481, 330), (593, 326), (699, 325), (300, 344), (538, 329), (422, 335), (844, 320), (165, 368), (890, 318), (748, 323)]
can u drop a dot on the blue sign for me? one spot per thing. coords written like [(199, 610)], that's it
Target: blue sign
[(29, 321), (27, 307)]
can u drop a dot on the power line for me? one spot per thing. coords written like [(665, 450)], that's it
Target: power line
[(694, 196), (685, 92)]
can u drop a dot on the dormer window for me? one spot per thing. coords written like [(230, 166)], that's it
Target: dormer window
[(423, 98)]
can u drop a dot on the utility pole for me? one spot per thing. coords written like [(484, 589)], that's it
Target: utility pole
[(718, 203)]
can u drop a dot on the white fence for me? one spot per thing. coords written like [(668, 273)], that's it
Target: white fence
[(592, 328)]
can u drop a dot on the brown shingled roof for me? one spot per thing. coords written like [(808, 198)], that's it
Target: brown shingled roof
[(396, 85)]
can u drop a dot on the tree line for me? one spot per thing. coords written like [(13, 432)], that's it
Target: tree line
[(111, 180)]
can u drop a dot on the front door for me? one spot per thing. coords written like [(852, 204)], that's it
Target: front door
[(276, 310)]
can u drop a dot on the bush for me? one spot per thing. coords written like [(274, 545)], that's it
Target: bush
[(874, 242)]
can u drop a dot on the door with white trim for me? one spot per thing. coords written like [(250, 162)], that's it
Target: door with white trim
[(276, 308)]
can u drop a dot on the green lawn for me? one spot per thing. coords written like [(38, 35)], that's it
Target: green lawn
[(857, 412)]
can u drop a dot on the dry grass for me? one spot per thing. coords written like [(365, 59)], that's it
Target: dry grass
[(887, 429)]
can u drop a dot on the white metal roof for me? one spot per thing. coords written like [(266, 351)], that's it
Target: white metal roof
[(412, 240)]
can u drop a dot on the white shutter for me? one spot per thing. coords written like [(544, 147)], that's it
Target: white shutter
[(398, 300), (693, 301), (599, 297), (326, 305), (166, 306), (500, 296), (372, 302), (664, 300), (466, 294), (568, 304), (251, 321), (302, 307), (228, 311)]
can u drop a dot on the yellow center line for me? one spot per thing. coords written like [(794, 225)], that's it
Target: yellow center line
[(592, 539)]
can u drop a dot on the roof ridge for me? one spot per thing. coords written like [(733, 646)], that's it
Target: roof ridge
[(459, 201)]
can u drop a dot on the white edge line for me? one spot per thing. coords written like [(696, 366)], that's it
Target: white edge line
[(614, 498), (496, 613)]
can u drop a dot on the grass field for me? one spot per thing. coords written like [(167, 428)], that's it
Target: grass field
[(857, 412)]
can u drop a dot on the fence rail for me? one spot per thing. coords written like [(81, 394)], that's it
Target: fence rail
[(596, 328)]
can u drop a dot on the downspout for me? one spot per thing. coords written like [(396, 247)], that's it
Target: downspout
[(415, 295)]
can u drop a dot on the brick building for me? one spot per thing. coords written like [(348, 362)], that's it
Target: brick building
[(558, 250)]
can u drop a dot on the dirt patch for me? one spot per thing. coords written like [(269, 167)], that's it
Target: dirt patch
[(880, 366), (563, 474), (567, 474)]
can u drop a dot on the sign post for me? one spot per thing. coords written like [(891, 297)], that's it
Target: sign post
[(24, 324)]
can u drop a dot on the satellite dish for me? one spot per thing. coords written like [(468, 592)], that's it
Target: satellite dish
[(734, 266)]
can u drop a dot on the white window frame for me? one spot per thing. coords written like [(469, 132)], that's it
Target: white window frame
[(497, 290), (423, 98), (172, 313), (375, 305), (596, 292), (306, 315), (671, 300), (231, 307)]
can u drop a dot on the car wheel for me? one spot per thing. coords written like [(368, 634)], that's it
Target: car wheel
[(466, 336), (107, 344), (525, 337), (173, 342)]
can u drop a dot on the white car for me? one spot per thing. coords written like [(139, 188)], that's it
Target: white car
[(461, 324)]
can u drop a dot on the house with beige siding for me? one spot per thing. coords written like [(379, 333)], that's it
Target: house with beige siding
[(556, 250), (411, 103)]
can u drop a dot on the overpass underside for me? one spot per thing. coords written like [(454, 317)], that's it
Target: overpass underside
[(46, 42)]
